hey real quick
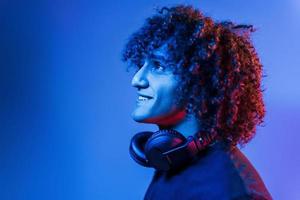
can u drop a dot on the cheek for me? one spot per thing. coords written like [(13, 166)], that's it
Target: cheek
[(166, 97)]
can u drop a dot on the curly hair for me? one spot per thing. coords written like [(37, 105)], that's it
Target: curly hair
[(219, 68)]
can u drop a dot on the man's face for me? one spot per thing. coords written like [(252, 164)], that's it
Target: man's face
[(157, 94)]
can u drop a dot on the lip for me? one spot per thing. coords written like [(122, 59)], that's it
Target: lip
[(144, 95)]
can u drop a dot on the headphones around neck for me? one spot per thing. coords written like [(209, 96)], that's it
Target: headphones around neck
[(167, 149)]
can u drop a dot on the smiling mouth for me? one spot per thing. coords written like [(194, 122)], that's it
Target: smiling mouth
[(143, 98)]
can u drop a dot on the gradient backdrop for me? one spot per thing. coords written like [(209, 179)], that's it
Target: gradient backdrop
[(66, 99)]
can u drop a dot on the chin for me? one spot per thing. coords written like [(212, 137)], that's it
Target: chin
[(143, 118), (138, 117)]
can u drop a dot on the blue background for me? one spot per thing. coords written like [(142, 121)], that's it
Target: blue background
[(66, 99)]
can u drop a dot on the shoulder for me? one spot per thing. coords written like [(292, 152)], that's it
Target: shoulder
[(220, 172), (228, 171)]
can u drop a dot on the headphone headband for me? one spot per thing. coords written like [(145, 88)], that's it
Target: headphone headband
[(167, 149)]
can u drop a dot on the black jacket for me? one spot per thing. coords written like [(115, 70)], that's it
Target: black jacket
[(219, 173)]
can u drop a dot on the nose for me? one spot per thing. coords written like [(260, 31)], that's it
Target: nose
[(140, 80)]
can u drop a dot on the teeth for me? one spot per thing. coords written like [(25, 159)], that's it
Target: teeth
[(142, 98)]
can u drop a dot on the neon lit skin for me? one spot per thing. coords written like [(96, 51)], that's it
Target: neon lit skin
[(157, 95)]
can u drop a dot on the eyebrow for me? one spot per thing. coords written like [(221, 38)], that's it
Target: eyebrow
[(156, 56)]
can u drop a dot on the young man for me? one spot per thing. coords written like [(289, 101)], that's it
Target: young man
[(200, 82)]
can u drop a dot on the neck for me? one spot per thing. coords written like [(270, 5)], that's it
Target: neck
[(188, 126)]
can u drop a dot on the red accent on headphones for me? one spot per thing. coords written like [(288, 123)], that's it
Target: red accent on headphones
[(167, 149)]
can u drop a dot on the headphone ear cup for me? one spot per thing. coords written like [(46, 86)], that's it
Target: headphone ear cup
[(137, 148), (159, 143)]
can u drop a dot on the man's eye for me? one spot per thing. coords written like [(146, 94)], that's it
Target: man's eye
[(158, 66)]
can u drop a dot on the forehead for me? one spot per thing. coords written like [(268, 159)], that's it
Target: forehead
[(162, 53), (162, 50)]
